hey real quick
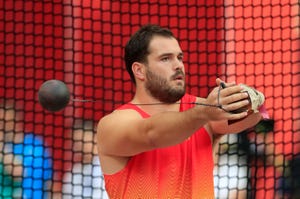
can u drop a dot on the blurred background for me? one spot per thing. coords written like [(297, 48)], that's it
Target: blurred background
[(81, 43)]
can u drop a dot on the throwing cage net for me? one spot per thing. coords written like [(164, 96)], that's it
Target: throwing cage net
[(46, 154)]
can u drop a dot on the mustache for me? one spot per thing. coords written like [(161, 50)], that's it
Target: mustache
[(178, 73)]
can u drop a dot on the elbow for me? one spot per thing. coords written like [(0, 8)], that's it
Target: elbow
[(152, 138)]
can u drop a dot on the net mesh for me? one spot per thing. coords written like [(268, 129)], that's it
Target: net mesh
[(81, 43)]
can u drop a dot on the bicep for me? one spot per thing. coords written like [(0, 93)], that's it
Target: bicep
[(122, 134)]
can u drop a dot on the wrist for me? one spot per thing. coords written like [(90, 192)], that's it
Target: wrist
[(202, 113)]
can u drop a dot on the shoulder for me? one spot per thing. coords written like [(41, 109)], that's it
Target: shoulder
[(118, 116), (116, 122)]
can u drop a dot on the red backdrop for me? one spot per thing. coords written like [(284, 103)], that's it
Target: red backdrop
[(81, 43)]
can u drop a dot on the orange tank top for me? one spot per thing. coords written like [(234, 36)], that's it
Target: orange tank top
[(183, 171)]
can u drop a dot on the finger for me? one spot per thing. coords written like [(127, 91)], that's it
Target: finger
[(218, 81), (237, 107), (237, 116), (224, 84), (229, 84), (235, 97), (228, 91)]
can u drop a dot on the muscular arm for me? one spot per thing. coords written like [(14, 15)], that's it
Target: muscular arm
[(126, 133), (222, 127)]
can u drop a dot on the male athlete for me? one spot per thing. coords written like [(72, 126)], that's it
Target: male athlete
[(160, 144)]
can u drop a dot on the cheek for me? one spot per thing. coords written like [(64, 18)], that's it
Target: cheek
[(165, 73), (161, 71)]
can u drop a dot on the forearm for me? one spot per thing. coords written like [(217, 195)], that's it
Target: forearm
[(223, 127), (170, 128)]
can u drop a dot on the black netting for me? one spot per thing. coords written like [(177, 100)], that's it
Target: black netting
[(81, 43)]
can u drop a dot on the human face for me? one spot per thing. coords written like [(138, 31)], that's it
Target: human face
[(165, 77)]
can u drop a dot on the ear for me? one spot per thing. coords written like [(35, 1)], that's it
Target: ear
[(138, 70)]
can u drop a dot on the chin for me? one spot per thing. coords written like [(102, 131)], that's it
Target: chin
[(179, 82)]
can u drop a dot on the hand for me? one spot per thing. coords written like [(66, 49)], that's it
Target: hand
[(256, 98), (227, 99)]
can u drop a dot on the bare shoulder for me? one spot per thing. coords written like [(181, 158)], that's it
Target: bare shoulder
[(122, 134), (113, 131), (119, 137), (116, 124), (117, 118)]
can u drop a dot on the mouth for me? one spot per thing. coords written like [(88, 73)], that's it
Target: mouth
[(179, 77), (179, 80)]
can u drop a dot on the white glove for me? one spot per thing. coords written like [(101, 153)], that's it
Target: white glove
[(256, 97)]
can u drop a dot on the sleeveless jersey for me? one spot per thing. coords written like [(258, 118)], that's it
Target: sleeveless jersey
[(183, 171)]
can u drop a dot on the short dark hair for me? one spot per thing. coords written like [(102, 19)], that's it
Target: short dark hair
[(136, 48)]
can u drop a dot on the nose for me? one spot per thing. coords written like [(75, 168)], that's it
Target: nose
[(178, 64)]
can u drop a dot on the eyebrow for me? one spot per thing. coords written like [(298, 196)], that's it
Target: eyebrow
[(169, 54)]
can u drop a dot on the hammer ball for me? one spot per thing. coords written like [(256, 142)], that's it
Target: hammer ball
[(54, 95)]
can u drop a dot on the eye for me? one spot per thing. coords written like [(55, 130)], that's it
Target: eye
[(165, 59), (180, 58)]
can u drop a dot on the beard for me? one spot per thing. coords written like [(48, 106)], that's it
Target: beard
[(159, 88)]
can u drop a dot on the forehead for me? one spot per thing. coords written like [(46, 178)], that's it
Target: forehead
[(161, 45)]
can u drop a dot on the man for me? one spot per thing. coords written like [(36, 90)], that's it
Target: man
[(160, 144)]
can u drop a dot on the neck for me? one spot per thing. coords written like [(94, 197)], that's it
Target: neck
[(149, 104)]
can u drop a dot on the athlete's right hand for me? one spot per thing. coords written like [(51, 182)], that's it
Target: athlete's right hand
[(225, 100)]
